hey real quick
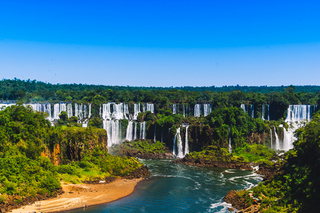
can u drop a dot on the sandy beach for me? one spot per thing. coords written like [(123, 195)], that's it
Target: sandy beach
[(81, 195)]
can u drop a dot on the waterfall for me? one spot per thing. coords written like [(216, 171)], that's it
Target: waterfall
[(136, 110), (243, 107), (148, 107), (263, 112), (69, 110), (174, 109), (252, 111), (186, 142), (106, 111), (177, 145), (126, 113), (297, 116), (118, 111), (271, 138), (113, 128), (129, 133), (230, 145), (155, 133), (184, 110), (56, 111), (206, 109), (277, 145), (143, 130), (197, 110), (135, 130)]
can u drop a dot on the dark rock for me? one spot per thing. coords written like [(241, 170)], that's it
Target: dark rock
[(236, 201), (143, 171)]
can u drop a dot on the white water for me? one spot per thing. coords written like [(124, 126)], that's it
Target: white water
[(136, 110), (197, 110), (243, 107), (277, 143), (186, 142), (135, 130), (113, 128), (252, 111), (174, 109), (184, 110), (297, 116), (155, 133), (143, 130), (207, 109), (263, 112), (271, 139), (230, 145), (177, 145), (129, 133)]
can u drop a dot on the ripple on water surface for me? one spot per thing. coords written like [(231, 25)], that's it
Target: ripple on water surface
[(180, 188)]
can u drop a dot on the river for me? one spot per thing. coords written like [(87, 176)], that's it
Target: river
[(180, 188)]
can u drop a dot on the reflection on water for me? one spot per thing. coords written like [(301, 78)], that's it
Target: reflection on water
[(180, 188)]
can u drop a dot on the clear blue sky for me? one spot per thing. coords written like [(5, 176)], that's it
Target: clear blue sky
[(161, 43)]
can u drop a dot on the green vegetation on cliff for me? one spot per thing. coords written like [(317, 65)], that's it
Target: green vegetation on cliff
[(31, 149), (247, 153), (297, 187)]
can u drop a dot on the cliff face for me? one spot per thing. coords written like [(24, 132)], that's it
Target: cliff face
[(75, 142)]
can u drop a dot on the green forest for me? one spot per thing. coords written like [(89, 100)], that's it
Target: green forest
[(28, 167)]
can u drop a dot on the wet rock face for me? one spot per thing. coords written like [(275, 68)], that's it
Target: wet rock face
[(236, 201), (207, 163), (269, 171), (143, 171)]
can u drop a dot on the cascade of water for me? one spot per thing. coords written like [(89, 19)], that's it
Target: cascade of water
[(184, 110), (117, 111), (129, 134), (135, 130), (271, 139), (126, 113), (177, 145), (47, 109), (143, 130), (197, 110), (268, 113), (150, 107), (230, 145), (174, 109), (56, 111), (113, 128), (186, 145), (106, 111), (263, 112), (89, 116), (297, 116), (277, 145), (206, 109), (69, 110), (155, 133), (136, 110), (252, 111), (243, 107)]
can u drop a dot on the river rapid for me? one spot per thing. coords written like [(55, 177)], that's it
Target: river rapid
[(180, 188)]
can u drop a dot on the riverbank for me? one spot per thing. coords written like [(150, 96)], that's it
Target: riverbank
[(83, 195)]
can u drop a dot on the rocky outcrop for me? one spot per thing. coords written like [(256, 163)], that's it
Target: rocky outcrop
[(268, 171), (208, 163), (236, 201), (143, 171), (140, 154)]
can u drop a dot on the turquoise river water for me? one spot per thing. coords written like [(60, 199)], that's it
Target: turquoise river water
[(180, 188)]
